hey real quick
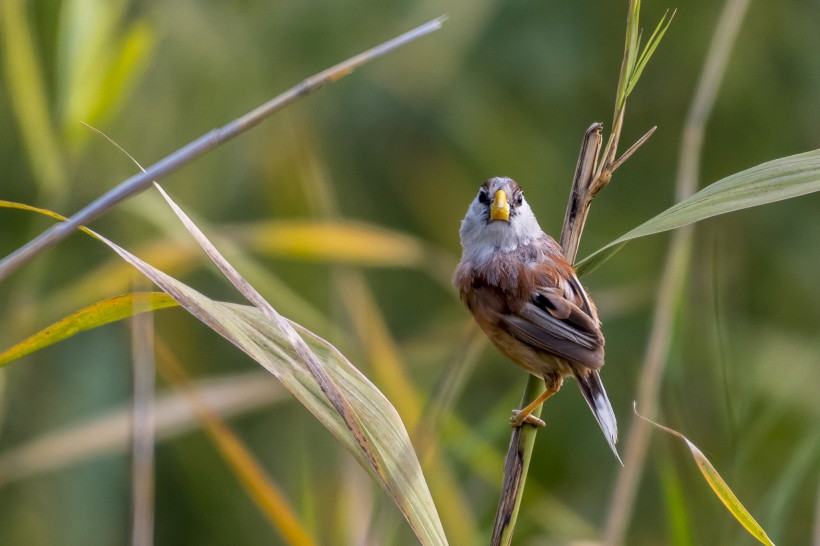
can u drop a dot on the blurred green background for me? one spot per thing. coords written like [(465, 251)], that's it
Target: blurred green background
[(505, 88)]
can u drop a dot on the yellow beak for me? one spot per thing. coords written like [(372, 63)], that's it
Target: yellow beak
[(500, 208)]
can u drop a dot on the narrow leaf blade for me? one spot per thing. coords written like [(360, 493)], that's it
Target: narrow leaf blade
[(769, 182), (28, 96), (719, 486), (649, 50), (384, 447), (98, 314)]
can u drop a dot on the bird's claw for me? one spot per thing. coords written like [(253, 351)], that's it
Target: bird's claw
[(518, 419)]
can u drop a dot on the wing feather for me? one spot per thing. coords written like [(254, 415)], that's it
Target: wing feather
[(566, 328)]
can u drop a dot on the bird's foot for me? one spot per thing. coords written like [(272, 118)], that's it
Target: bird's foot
[(519, 417)]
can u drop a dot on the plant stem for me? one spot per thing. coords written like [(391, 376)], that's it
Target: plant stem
[(519, 451), (516, 466), (580, 197), (143, 431)]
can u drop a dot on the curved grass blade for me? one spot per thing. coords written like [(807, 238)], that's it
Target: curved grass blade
[(20, 206), (45, 212), (766, 183), (331, 388), (720, 487), (397, 468), (98, 314), (356, 420)]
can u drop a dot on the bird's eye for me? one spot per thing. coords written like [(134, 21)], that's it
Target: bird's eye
[(519, 198), (483, 197)]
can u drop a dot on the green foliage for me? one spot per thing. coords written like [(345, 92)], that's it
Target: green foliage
[(770, 182), (93, 316), (635, 63), (99, 62)]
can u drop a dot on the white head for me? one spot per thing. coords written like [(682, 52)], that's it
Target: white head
[(498, 220)]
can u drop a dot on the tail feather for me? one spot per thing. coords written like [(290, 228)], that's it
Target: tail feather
[(593, 390)]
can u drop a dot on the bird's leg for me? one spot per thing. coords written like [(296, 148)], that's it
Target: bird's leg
[(524, 415)]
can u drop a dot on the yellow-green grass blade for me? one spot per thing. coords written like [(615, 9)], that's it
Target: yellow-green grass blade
[(262, 489), (719, 486), (337, 241), (45, 212), (28, 97), (99, 61), (769, 182), (98, 314)]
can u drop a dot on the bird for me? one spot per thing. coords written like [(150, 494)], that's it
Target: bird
[(527, 299)]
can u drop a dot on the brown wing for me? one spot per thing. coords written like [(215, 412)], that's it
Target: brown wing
[(558, 318)]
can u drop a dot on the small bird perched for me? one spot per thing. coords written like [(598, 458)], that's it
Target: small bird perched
[(525, 296)]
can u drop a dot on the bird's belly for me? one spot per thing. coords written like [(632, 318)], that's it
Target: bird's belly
[(538, 363)]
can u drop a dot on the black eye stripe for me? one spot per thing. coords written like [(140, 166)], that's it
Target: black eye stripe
[(516, 201)]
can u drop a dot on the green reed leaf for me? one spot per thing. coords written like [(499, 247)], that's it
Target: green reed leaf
[(769, 182)]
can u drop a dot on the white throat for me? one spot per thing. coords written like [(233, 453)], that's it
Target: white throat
[(480, 241)]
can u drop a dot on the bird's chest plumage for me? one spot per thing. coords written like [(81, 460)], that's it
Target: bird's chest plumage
[(501, 286), (504, 281), (498, 284), (498, 288)]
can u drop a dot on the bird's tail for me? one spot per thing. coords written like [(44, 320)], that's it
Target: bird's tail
[(593, 391)]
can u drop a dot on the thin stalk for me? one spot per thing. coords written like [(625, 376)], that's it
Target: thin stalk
[(143, 431), (674, 274), (580, 197), (816, 531), (200, 146), (516, 466)]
